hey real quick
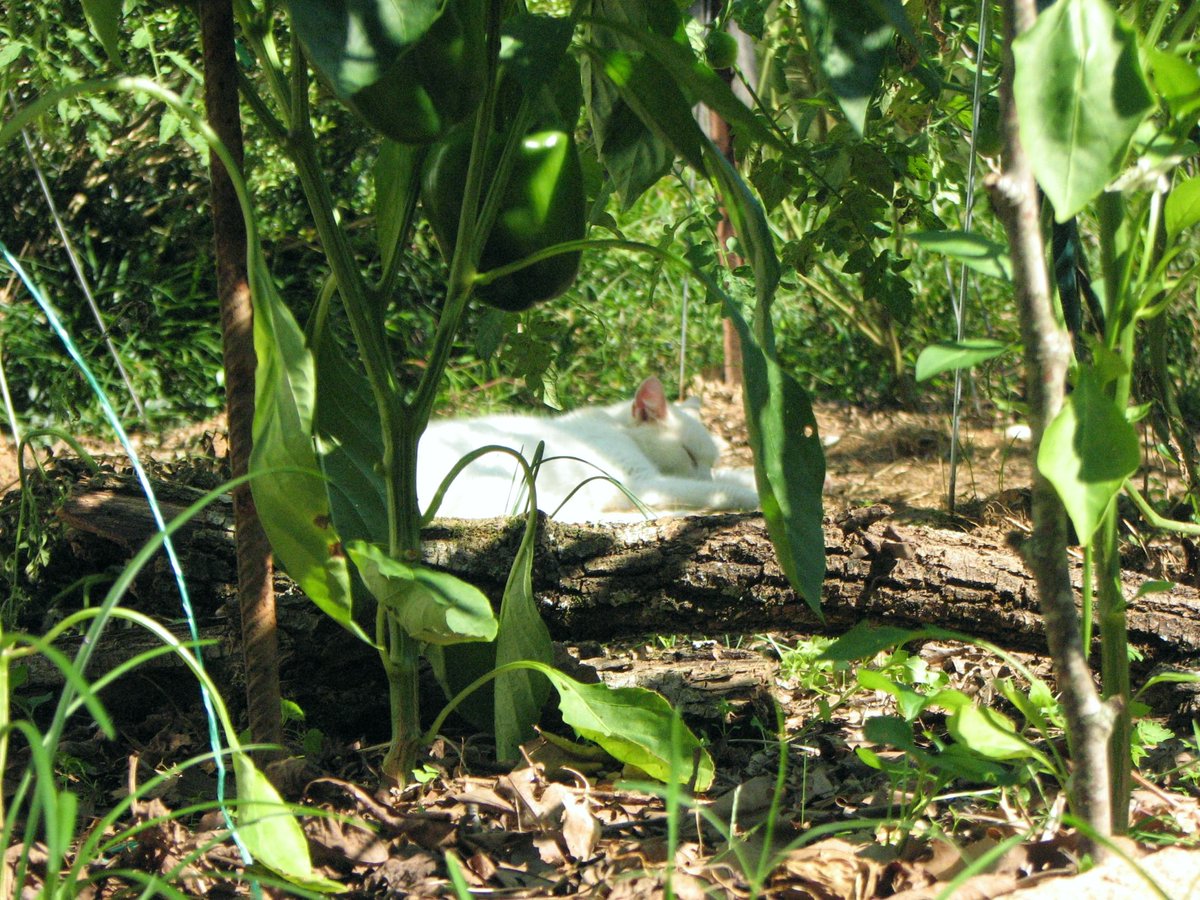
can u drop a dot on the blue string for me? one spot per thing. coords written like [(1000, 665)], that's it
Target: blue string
[(214, 737)]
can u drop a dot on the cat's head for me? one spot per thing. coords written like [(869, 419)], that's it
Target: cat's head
[(671, 434)]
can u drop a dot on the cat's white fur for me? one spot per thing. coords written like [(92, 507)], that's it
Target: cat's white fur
[(659, 451)]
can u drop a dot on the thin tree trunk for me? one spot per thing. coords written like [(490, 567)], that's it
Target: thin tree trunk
[(1048, 351), (256, 597)]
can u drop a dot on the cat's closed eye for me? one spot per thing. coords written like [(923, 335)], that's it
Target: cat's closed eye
[(692, 457)]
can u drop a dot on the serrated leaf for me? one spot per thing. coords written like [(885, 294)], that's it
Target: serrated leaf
[(1080, 96), (972, 250), (432, 606), (951, 355), (1087, 452)]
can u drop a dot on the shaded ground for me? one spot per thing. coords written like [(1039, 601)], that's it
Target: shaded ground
[(850, 818)]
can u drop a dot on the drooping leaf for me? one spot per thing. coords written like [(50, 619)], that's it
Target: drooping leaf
[(850, 41), (1080, 96), (1087, 452), (430, 605), (397, 174), (288, 490), (1182, 209), (104, 18), (950, 355), (865, 640), (750, 223), (520, 694), (632, 724), (634, 155), (270, 831), (970, 249), (789, 463)]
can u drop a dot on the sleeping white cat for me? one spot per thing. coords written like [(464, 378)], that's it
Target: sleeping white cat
[(659, 452)]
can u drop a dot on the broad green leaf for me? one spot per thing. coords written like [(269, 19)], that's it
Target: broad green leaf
[(850, 41), (1178, 83), (698, 82), (865, 640), (890, 731), (289, 491), (1080, 96), (1087, 453), (104, 18), (951, 355), (532, 49), (1154, 586), (521, 694), (789, 463), (397, 174), (353, 43), (349, 445), (1182, 209), (270, 831), (987, 733), (972, 250), (633, 154), (909, 702), (632, 724), (430, 605)]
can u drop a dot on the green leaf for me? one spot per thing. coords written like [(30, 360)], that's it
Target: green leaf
[(950, 355), (750, 224), (1182, 209), (987, 733), (1087, 453), (633, 153), (1178, 83), (909, 702), (632, 724), (850, 41), (288, 490), (430, 605), (1154, 586), (397, 173), (521, 694), (104, 18), (789, 463), (971, 249), (890, 731), (865, 640), (1080, 96), (270, 831)]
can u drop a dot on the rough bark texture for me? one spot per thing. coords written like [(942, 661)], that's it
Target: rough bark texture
[(708, 575), (254, 564)]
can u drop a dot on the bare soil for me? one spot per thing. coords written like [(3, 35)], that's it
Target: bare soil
[(563, 823)]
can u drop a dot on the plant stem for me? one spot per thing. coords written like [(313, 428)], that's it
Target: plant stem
[(1048, 351)]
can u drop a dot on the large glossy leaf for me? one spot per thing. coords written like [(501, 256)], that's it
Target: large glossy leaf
[(432, 606), (633, 725), (972, 250), (270, 831), (950, 355), (1087, 452), (1080, 96), (850, 41), (789, 464), (354, 42), (288, 490)]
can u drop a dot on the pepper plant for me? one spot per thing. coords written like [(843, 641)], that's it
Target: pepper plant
[(477, 104)]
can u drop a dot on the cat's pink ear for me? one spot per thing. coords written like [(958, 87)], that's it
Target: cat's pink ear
[(650, 401)]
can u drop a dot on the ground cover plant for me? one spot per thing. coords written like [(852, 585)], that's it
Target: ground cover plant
[(447, 127)]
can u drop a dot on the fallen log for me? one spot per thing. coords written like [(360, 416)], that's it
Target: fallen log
[(698, 575)]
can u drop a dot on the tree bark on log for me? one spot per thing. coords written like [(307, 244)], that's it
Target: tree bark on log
[(708, 575)]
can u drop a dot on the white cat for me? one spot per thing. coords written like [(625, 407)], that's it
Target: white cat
[(659, 452)]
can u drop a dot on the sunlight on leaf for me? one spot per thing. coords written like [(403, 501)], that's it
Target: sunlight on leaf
[(951, 355)]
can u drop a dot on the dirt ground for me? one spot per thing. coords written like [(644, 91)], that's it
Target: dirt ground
[(564, 825)]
